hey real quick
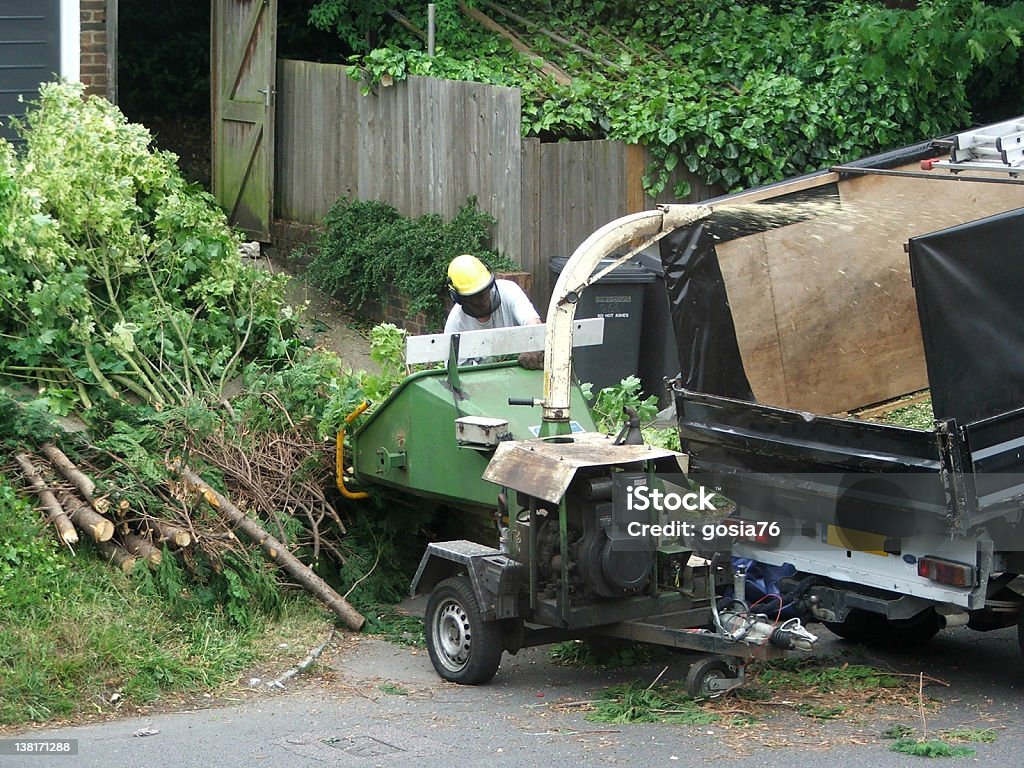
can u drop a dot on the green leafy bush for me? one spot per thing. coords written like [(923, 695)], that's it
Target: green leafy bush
[(367, 246), (117, 277), (739, 94), (608, 406)]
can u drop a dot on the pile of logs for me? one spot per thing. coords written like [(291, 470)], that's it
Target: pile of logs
[(71, 504), (69, 500)]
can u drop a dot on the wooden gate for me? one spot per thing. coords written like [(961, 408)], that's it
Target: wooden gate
[(242, 69)]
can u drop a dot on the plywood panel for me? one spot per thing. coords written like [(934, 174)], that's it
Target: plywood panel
[(846, 330), (748, 281)]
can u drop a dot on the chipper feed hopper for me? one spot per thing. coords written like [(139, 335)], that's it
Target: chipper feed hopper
[(578, 553)]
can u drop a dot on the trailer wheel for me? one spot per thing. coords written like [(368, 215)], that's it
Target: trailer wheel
[(463, 647), (873, 629), (702, 673)]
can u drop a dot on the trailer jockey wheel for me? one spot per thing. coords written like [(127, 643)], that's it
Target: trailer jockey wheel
[(710, 677), (463, 647)]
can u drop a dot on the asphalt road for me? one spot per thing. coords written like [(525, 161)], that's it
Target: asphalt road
[(522, 718)]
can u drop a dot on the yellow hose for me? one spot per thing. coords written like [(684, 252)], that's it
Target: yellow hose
[(339, 455)]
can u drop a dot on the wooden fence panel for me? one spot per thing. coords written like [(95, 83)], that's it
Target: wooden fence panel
[(531, 257), (582, 187), (425, 145), (422, 145)]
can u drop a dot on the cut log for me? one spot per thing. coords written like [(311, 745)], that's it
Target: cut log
[(117, 555), (170, 534), (67, 468), (83, 483), (273, 548), (54, 511), (85, 518), (139, 547)]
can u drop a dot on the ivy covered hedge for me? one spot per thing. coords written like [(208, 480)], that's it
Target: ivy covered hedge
[(740, 93)]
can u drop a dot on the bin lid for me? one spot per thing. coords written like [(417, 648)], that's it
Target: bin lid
[(650, 259), (630, 272)]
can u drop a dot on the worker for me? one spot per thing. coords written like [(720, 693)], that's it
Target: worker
[(481, 302)]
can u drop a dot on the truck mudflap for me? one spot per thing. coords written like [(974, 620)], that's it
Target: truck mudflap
[(496, 578)]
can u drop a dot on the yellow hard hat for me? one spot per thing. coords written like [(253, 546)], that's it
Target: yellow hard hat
[(467, 275)]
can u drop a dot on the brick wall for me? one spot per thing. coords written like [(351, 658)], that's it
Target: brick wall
[(94, 47), (290, 242)]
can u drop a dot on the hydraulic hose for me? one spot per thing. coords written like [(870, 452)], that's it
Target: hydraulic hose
[(339, 455)]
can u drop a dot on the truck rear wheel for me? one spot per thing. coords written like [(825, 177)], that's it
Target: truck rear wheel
[(463, 647), (874, 629)]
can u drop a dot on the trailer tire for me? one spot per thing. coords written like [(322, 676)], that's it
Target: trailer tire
[(875, 630), (702, 672), (464, 648)]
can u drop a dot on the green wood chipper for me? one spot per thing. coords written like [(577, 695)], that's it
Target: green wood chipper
[(575, 555)]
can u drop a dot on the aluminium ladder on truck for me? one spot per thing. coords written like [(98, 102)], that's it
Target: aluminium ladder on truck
[(998, 147)]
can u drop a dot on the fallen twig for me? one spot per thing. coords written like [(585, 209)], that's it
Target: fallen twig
[(303, 665)]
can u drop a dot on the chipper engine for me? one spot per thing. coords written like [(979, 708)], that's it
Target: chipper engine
[(585, 549)]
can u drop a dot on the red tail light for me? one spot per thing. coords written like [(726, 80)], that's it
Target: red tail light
[(946, 572)]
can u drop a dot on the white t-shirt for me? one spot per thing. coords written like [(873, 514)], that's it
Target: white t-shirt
[(516, 309)]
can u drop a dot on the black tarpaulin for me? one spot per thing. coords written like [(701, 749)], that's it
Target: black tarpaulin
[(969, 282), (709, 355)]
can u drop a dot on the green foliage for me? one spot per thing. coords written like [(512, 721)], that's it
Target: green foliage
[(347, 392), (971, 735), (637, 703), (739, 94), (367, 247), (240, 588), (29, 562), (609, 416), (604, 653), (76, 631), (385, 542), (608, 406), (825, 679), (387, 350), (930, 748), (359, 23), (22, 423), (662, 438), (916, 416), (118, 279)]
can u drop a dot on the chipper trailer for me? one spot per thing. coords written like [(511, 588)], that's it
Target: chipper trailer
[(578, 555)]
